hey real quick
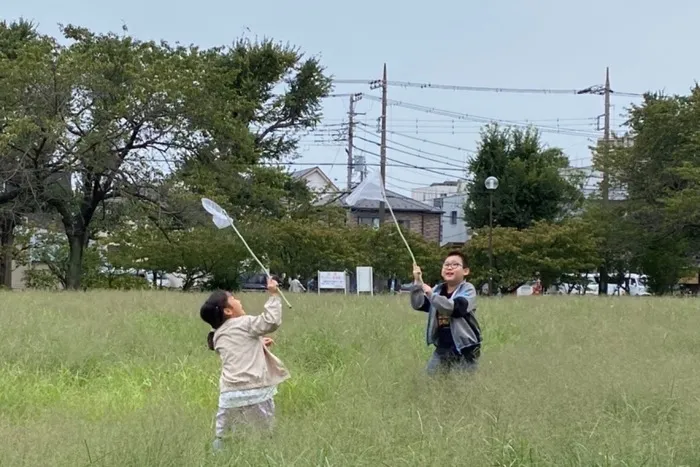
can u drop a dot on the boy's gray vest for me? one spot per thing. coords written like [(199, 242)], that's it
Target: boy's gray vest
[(462, 333)]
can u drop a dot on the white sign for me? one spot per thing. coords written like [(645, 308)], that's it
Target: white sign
[(365, 279), (332, 280)]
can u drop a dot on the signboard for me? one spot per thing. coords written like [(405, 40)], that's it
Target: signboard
[(332, 280), (365, 279)]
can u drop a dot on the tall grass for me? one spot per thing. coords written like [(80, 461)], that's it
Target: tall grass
[(125, 379)]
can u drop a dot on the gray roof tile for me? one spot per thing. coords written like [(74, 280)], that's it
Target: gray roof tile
[(398, 203)]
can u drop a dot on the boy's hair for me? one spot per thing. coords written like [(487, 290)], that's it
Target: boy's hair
[(212, 312), (460, 255)]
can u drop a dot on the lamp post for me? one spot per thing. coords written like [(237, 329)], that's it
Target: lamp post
[(491, 184)]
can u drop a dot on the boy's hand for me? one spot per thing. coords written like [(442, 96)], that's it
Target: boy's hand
[(272, 286), (427, 290), (268, 342), (417, 274)]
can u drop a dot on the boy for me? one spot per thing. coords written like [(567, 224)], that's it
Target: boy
[(250, 373), (451, 306)]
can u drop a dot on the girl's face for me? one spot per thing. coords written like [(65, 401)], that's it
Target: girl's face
[(234, 308)]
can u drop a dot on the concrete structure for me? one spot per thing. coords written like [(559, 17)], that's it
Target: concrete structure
[(449, 197), (438, 190), (453, 229), (414, 216)]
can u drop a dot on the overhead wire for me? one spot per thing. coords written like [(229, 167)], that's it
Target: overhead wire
[(477, 118), (452, 87)]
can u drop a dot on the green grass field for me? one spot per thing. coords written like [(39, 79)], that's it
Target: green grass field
[(125, 379)]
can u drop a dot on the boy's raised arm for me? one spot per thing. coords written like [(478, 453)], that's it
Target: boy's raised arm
[(418, 298)]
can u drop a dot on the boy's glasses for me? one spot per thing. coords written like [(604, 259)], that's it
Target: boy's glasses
[(452, 266)]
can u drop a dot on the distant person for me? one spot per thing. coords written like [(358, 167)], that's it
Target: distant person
[(311, 285), (295, 286), (250, 373), (452, 326)]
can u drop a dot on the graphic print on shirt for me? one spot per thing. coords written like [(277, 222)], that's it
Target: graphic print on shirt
[(443, 321)]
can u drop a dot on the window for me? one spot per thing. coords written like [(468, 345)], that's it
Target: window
[(369, 221), (453, 218), (406, 224)]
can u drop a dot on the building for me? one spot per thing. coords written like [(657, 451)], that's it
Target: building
[(453, 229), (421, 218), (450, 197), (316, 180), (413, 215), (437, 190)]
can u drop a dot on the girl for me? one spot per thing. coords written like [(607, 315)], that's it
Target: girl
[(250, 373)]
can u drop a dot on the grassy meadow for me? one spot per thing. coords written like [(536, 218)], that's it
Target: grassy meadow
[(125, 379)]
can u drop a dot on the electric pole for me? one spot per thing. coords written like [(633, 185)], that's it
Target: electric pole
[(605, 184), (382, 148), (602, 164), (351, 128)]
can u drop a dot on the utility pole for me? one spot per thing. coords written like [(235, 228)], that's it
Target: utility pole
[(603, 160), (351, 134), (605, 184), (382, 148)]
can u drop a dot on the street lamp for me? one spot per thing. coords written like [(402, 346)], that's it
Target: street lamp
[(491, 183)]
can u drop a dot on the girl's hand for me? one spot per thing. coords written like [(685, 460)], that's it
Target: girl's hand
[(427, 290), (268, 342)]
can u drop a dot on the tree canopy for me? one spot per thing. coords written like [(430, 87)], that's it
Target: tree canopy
[(108, 117), (658, 169), (532, 184)]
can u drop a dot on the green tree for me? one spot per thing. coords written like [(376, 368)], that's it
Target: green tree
[(129, 113), (532, 184), (24, 60), (194, 254), (239, 168), (658, 170), (550, 251)]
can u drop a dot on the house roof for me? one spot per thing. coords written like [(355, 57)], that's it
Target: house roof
[(302, 174), (399, 203)]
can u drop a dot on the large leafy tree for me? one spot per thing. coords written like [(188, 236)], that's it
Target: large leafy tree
[(124, 115), (659, 173), (25, 61), (243, 84), (532, 185)]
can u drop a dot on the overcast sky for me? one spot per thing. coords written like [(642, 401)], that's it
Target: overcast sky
[(542, 44)]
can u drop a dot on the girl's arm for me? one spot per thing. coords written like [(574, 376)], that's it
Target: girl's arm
[(269, 320)]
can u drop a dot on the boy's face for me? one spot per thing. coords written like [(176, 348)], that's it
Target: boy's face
[(234, 308), (454, 270)]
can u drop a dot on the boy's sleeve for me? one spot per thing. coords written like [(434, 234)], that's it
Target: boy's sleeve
[(418, 299), (459, 307), (269, 320)]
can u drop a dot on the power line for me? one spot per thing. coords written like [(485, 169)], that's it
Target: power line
[(451, 87), (436, 143), (406, 165), (445, 159), (476, 118)]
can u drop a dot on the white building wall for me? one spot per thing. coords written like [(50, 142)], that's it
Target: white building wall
[(316, 182), (453, 227)]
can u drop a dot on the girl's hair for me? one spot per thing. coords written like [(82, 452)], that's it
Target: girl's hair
[(212, 312)]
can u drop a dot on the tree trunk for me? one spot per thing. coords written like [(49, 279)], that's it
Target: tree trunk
[(7, 240), (74, 272)]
